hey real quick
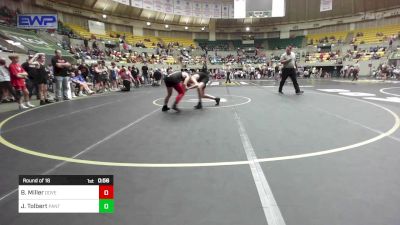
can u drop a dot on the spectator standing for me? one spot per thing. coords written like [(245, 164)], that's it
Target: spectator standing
[(61, 73), (18, 76), (5, 82), (135, 75), (105, 76), (30, 81), (145, 73), (157, 75), (113, 71), (100, 76), (41, 76), (356, 70)]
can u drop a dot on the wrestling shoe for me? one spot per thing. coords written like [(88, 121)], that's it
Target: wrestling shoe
[(199, 106), (165, 108), (217, 101), (174, 107)]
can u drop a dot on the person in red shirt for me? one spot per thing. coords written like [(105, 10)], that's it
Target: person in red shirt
[(18, 76)]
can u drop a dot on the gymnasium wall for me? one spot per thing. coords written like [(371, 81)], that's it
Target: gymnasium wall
[(25, 6), (329, 29), (378, 23)]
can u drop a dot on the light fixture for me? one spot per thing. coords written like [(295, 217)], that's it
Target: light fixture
[(148, 23), (186, 28), (247, 28), (203, 28), (166, 25), (104, 16)]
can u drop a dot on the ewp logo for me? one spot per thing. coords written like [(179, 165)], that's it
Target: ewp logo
[(37, 21)]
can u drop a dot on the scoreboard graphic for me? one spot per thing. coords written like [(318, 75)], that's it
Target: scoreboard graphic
[(66, 194)]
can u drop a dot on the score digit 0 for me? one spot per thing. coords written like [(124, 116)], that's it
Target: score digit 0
[(106, 192)]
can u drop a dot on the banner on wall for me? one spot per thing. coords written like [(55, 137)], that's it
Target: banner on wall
[(125, 2), (205, 8), (216, 10), (148, 4), (197, 9), (37, 21), (239, 9), (231, 11), (137, 3), (168, 6), (187, 7), (178, 7), (326, 5), (225, 11), (158, 5), (96, 27)]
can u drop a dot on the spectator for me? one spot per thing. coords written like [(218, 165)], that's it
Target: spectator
[(30, 83), (100, 74), (84, 71), (113, 71), (145, 73), (126, 78), (157, 75), (18, 76), (135, 75), (5, 82), (390, 44), (61, 73), (105, 76), (94, 44), (78, 79), (41, 76)]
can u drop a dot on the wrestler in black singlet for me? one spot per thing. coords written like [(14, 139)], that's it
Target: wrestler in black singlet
[(173, 79), (203, 77)]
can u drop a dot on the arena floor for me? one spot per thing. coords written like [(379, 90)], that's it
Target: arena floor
[(330, 156)]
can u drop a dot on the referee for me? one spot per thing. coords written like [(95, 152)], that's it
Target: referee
[(288, 60)]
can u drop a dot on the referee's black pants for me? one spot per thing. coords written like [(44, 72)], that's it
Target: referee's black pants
[(289, 72), (228, 79)]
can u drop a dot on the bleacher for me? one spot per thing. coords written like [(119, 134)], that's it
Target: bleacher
[(369, 35), (332, 37), (148, 41), (112, 36), (227, 44), (218, 44), (29, 41), (316, 57), (277, 43), (184, 42), (84, 33)]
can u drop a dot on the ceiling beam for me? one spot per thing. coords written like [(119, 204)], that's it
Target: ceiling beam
[(94, 4)]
